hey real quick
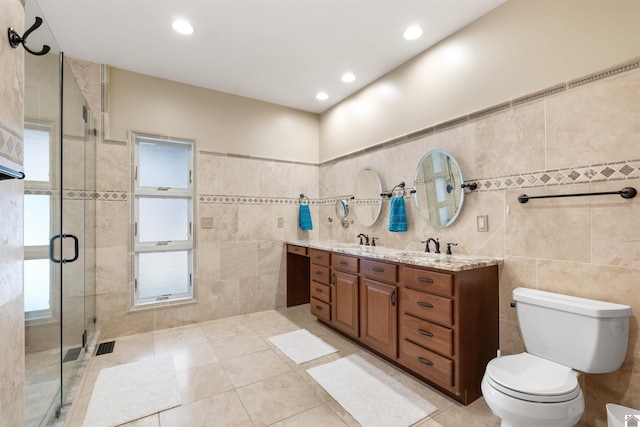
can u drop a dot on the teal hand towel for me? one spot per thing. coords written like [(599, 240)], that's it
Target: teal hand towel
[(304, 217), (397, 215)]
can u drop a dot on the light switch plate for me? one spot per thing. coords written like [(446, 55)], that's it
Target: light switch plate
[(482, 223), (280, 222)]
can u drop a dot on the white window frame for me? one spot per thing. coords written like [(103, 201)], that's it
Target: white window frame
[(42, 251), (162, 246)]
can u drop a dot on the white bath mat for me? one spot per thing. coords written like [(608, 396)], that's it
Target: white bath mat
[(127, 392), (372, 397), (302, 346)]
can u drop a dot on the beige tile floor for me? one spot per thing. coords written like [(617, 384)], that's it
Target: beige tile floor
[(231, 375)]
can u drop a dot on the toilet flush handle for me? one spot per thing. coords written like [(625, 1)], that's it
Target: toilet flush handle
[(513, 305)]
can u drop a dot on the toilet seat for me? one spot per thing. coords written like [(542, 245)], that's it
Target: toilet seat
[(531, 378)]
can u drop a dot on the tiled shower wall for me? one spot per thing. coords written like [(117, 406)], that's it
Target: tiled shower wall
[(11, 220), (584, 138)]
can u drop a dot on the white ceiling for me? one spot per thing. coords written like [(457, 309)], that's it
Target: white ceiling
[(279, 51)]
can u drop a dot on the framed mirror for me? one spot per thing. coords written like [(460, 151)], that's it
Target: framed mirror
[(439, 193), (367, 202)]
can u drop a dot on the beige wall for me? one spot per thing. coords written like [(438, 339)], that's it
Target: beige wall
[(11, 214), (521, 47), (220, 122)]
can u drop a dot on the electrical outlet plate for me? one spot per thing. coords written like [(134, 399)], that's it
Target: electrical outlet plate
[(482, 223), (206, 222)]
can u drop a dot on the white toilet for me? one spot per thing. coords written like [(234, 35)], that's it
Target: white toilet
[(562, 335)]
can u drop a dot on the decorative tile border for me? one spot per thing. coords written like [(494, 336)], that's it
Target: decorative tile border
[(11, 145), (615, 171), (70, 194), (225, 199)]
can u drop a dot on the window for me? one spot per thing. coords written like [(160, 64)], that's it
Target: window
[(163, 229), (38, 272)]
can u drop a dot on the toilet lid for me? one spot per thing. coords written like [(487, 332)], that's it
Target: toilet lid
[(533, 378)]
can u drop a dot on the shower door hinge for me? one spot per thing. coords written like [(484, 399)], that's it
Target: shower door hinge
[(84, 338), (190, 178), (135, 228), (135, 173), (190, 228), (85, 114), (190, 280), (135, 284)]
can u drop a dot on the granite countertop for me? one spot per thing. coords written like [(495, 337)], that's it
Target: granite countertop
[(422, 259)]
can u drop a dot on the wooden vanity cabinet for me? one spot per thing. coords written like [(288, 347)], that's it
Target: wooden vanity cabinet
[(379, 306), (319, 275), (439, 325), (344, 293), (448, 329)]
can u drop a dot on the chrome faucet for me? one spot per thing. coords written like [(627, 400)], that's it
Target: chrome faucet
[(366, 239), (429, 240)]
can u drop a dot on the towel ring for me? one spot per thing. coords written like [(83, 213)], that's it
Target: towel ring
[(398, 187), (304, 199)]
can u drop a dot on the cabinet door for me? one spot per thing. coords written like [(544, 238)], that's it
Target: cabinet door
[(345, 305), (379, 316)]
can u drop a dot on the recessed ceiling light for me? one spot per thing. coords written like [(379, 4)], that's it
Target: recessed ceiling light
[(322, 96), (412, 33), (182, 26), (348, 77)]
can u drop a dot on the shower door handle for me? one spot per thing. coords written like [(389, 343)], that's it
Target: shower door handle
[(76, 246)]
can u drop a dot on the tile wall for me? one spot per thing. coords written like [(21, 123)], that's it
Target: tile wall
[(11, 219)]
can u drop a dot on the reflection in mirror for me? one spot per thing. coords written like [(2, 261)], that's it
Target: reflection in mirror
[(367, 202), (439, 193), (342, 211)]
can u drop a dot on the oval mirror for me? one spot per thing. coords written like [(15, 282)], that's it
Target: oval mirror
[(439, 193), (367, 202)]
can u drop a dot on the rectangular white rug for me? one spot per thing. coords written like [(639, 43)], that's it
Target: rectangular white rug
[(135, 390), (372, 397), (302, 346)]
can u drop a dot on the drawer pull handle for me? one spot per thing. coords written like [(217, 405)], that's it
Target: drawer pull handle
[(424, 361), (424, 333), (378, 269), (318, 273), (425, 280), (393, 299), (319, 290), (344, 262), (424, 304), (318, 308)]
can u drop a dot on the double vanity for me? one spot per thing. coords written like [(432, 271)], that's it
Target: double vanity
[(435, 316)]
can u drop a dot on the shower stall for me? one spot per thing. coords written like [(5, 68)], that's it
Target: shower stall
[(59, 283)]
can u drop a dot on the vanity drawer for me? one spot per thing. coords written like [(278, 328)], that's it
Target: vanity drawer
[(319, 273), (320, 309), (380, 271), (427, 334), (320, 291), (427, 306), (319, 257), (295, 249), (345, 263), (426, 363), (430, 281)]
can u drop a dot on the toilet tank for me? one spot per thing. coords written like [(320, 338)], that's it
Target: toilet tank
[(587, 335)]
